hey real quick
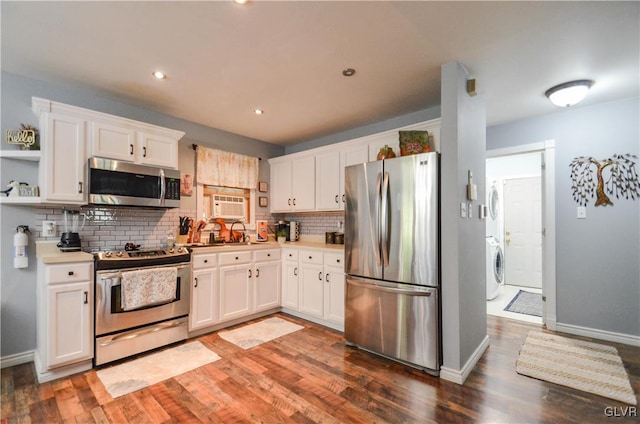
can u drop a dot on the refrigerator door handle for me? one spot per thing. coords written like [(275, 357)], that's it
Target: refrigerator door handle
[(397, 290), (374, 229), (384, 218)]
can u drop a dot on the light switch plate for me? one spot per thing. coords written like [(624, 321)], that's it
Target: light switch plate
[(470, 210), (582, 212), (463, 209)]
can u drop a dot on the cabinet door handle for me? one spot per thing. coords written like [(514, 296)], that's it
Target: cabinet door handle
[(320, 276), (336, 198), (294, 201), (343, 200), (144, 152), (86, 297), (196, 282), (295, 271), (80, 187), (131, 149), (249, 273), (289, 202), (70, 272), (326, 278), (258, 273)]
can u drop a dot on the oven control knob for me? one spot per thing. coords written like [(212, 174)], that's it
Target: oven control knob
[(107, 254), (180, 249), (171, 250), (119, 254)]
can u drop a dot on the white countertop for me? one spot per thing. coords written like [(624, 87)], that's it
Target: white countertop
[(308, 242), (48, 252)]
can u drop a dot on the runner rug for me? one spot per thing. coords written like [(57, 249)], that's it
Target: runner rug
[(134, 375), (526, 303), (254, 334), (585, 366)]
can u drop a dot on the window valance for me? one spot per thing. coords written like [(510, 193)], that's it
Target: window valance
[(221, 168)]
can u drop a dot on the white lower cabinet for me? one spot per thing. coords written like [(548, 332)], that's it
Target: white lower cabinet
[(290, 279), (311, 282), (65, 321), (235, 291), (204, 292), (319, 285), (334, 287), (267, 279)]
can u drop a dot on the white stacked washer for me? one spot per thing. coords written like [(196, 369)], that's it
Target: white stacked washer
[(495, 257)]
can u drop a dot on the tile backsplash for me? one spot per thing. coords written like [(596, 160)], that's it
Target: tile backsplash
[(110, 228)]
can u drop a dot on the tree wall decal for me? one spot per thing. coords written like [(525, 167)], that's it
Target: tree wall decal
[(622, 182)]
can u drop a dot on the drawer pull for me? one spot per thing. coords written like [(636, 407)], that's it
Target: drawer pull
[(70, 272), (249, 273), (310, 257), (326, 278), (237, 258), (206, 261), (338, 260), (86, 297), (320, 276), (295, 271), (131, 149), (269, 255)]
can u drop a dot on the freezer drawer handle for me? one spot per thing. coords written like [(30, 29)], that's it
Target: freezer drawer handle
[(391, 289)]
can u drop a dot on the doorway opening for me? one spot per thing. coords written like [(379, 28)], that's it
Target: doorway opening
[(519, 221)]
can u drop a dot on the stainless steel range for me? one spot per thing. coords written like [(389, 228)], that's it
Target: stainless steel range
[(142, 301)]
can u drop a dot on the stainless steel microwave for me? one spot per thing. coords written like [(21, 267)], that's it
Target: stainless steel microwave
[(117, 183)]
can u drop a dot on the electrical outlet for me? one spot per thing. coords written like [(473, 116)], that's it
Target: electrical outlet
[(470, 210), (582, 212), (463, 209)]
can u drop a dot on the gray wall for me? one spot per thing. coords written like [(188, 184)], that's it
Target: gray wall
[(18, 286), (463, 131), (597, 271)]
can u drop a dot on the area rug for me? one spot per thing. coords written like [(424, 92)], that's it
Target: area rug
[(134, 375), (254, 334), (526, 303), (585, 366)]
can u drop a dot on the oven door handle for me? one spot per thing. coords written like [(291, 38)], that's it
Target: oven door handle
[(118, 275), (133, 335)]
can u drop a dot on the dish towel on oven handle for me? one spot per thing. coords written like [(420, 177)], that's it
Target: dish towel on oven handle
[(148, 287)]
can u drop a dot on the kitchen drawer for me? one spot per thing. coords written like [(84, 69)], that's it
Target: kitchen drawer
[(232, 258), (205, 261), (311, 257), (267, 255), (69, 273), (334, 259), (290, 254)]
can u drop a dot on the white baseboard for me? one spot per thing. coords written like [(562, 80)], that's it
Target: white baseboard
[(459, 376), (599, 334), (16, 359)]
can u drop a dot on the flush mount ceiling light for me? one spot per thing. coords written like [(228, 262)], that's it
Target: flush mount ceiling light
[(348, 72), (242, 2), (159, 75), (259, 111), (569, 93)]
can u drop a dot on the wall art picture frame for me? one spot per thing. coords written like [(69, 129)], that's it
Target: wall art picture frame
[(263, 187), (263, 201)]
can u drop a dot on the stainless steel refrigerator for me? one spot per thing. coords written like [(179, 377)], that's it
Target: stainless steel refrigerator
[(392, 300)]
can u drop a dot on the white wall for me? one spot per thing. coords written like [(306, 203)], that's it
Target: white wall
[(597, 271)]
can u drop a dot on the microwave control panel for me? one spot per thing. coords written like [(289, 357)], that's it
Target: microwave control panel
[(173, 188)]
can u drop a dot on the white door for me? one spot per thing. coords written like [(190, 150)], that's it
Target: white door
[(523, 232)]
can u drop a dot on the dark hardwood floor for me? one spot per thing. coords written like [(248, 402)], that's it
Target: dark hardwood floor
[(310, 376)]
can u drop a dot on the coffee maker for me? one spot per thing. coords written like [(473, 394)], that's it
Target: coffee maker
[(290, 228), (70, 239)]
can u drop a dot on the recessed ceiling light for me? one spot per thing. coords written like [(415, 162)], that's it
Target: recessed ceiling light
[(259, 111), (159, 75), (348, 72), (569, 93), (242, 2)]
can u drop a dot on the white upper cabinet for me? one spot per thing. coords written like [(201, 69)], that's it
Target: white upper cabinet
[(330, 174), (125, 143), (62, 166), (313, 180), (293, 182)]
